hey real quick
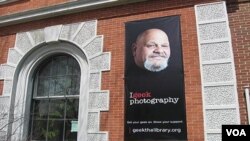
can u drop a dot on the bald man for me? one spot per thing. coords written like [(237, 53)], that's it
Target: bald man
[(151, 50)]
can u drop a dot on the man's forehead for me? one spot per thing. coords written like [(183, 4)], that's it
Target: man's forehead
[(154, 31), (149, 34), (157, 41), (162, 38), (155, 34)]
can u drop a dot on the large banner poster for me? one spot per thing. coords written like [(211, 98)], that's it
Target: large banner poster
[(154, 81)]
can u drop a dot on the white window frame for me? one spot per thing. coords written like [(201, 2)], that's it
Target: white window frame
[(59, 97)]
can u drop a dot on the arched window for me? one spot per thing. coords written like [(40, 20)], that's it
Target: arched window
[(55, 100)]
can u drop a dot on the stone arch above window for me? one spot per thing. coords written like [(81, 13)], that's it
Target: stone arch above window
[(79, 40)]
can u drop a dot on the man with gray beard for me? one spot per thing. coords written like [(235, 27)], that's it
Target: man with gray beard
[(151, 50), (154, 80)]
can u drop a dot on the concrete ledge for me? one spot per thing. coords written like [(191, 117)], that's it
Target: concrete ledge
[(6, 1), (58, 10)]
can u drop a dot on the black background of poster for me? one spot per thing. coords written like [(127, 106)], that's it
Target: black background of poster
[(164, 84)]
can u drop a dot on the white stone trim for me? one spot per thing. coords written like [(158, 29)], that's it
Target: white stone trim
[(214, 131), (220, 61), (102, 60), (217, 107), (216, 13), (214, 41), (92, 40), (8, 71), (51, 11), (98, 136), (224, 83), (7, 87), (58, 10), (52, 33), (2, 2), (97, 82), (77, 31), (96, 121), (14, 59), (33, 47), (102, 97), (213, 21)]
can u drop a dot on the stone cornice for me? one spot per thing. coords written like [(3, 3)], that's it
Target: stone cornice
[(6, 1), (58, 10)]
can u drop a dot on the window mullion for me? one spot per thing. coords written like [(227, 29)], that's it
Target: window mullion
[(51, 75), (56, 97), (35, 86), (32, 120), (64, 118), (47, 126)]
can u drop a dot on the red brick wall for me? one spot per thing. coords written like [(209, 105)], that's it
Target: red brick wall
[(239, 22), (111, 25)]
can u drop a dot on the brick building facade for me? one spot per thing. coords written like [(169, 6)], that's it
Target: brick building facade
[(215, 43)]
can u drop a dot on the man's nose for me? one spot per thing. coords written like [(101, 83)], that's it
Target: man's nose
[(158, 49)]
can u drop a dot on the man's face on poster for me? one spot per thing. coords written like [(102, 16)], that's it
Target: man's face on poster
[(151, 50)]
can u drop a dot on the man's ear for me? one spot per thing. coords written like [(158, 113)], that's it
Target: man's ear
[(134, 47)]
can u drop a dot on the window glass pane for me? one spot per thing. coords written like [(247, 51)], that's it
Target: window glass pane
[(58, 86), (76, 68), (70, 135), (56, 109), (73, 67), (74, 85), (72, 108), (70, 66), (45, 70), (62, 62), (59, 65), (54, 67), (39, 130), (41, 109), (43, 87), (52, 83), (67, 81), (55, 130)]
